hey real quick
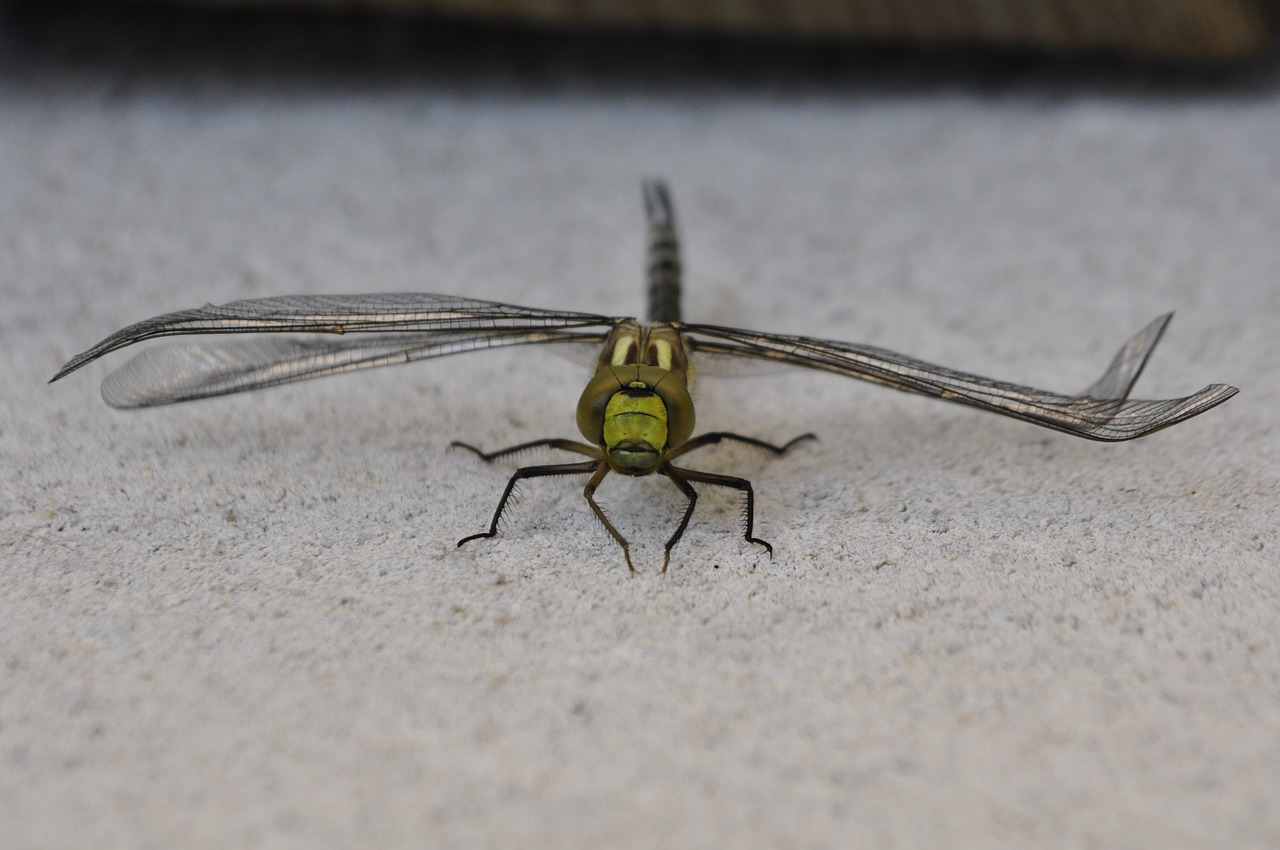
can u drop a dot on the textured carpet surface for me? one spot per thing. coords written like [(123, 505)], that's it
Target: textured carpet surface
[(244, 622)]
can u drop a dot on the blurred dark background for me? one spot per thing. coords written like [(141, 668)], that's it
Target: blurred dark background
[(1176, 44)]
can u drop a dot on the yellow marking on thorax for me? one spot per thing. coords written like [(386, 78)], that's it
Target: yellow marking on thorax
[(622, 352), (662, 349), (656, 351)]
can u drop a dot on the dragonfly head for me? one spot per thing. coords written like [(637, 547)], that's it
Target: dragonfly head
[(635, 413)]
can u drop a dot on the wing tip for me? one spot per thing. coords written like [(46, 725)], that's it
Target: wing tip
[(1193, 405), (1126, 367), (1219, 393), (73, 364)]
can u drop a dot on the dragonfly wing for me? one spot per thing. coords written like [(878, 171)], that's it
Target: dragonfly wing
[(342, 314), (1117, 382), (185, 371), (1103, 412), (407, 327)]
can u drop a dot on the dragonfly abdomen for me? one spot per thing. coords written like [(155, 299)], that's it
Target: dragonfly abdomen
[(663, 255)]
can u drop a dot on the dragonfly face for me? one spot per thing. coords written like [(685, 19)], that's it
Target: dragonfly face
[(637, 405)]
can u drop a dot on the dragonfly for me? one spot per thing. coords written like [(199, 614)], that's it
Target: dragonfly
[(636, 414)]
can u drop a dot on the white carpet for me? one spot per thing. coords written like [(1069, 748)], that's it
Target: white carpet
[(244, 622)]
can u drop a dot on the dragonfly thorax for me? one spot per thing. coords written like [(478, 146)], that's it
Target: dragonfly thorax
[(635, 413)]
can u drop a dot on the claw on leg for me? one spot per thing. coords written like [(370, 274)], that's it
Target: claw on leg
[(530, 472)]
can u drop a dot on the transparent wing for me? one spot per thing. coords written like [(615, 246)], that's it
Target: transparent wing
[(1102, 412), (408, 326)]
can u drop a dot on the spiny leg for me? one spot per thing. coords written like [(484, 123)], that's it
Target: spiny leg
[(536, 472), (690, 494), (549, 443), (682, 478), (590, 493), (715, 437)]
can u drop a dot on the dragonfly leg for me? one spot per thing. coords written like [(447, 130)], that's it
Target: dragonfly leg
[(714, 437), (682, 478), (535, 472), (550, 443), (590, 493), (690, 494)]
